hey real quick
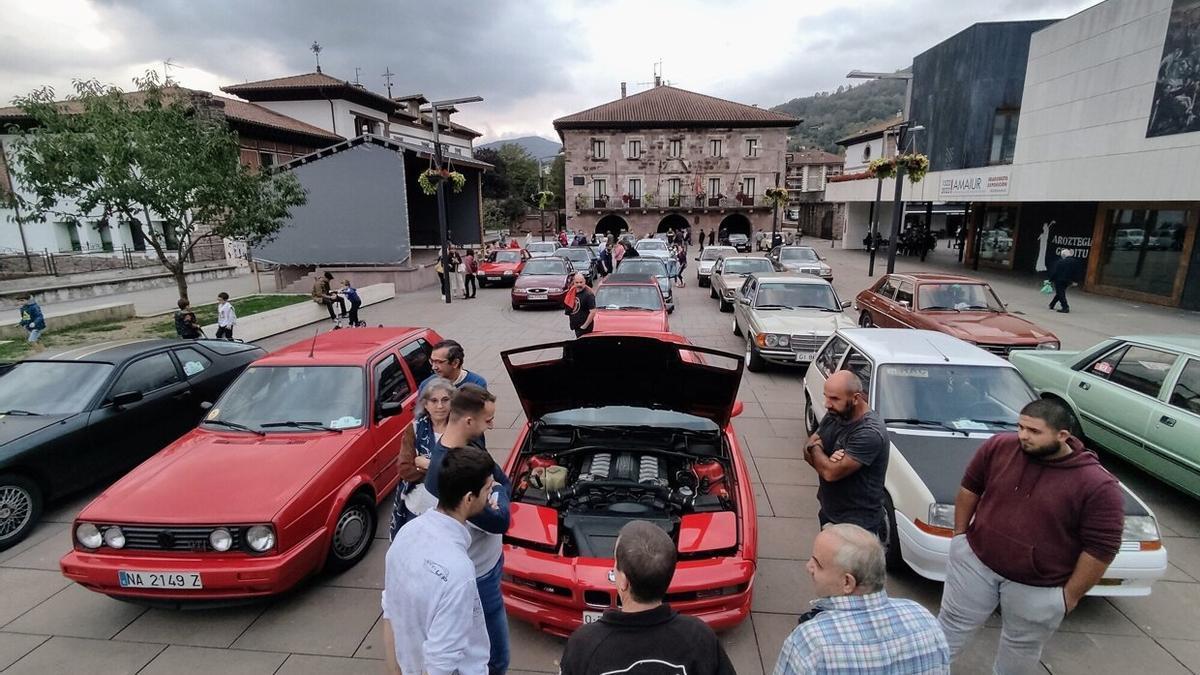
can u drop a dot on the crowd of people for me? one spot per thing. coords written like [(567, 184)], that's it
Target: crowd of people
[(444, 612)]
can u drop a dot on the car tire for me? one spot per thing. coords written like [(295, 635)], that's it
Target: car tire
[(737, 330), (810, 416), (754, 362), (353, 533), (700, 281), (20, 508), (712, 291), (726, 306), (892, 555), (865, 320), (516, 305), (482, 281)]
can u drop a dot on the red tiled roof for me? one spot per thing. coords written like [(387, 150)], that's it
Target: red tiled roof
[(258, 115), (303, 81), (278, 89), (667, 106), (814, 157)]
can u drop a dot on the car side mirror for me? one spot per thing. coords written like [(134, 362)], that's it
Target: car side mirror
[(905, 304), (845, 304), (670, 309), (388, 409), (206, 405), (738, 409), (126, 398), (744, 300)]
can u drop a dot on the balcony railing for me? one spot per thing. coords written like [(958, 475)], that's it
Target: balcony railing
[(674, 202), (600, 203)]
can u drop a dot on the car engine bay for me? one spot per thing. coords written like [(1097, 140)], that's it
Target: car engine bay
[(598, 479)]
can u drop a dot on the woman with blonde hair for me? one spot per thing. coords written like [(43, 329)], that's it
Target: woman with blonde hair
[(429, 419)]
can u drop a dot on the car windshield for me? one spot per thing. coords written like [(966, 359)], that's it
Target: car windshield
[(264, 396), (653, 267), (964, 398), (51, 388), (622, 296), (621, 415), (545, 266), (505, 256), (794, 295), (714, 252), (651, 245), (574, 254), (739, 238), (957, 297), (540, 246), (747, 266), (798, 255)]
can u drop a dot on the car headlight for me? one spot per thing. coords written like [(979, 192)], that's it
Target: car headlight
[(88, 535), (220, 539), (1048, 345), (729, 292), (942, 515), (114, 537), (826, 272), (260, 538), (520, 291), (508, 273), (1140, 528)]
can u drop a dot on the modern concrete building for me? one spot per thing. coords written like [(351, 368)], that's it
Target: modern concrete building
[(1099, 154), (667, 158)]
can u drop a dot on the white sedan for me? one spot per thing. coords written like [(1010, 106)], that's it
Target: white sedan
[(941, 398), (708, 258)]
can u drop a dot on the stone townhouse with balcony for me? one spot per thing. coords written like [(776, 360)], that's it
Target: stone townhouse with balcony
[(667, 158), (808, 170)]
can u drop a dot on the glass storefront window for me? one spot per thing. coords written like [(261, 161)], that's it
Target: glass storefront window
[(1143, 250), (996, 236)]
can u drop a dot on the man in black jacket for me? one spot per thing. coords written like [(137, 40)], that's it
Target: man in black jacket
[(1064, 272), (645, 636)]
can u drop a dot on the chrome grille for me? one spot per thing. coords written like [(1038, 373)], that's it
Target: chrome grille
[(162, 538), (1002, 350), (537, 290), (807, 342)]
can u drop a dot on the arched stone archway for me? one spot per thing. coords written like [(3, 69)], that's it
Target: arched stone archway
[(611, 224), (672, 221), (736, 223)]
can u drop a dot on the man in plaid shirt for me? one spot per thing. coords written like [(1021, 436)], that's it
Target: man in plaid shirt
[(854, 627)]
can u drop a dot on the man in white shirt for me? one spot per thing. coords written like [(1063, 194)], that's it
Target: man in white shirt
[(433, 619)]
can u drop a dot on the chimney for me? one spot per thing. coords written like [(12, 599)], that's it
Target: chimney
[(658, 80), (622, 90)]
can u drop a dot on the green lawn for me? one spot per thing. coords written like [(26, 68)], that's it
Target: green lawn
[(254, 304)]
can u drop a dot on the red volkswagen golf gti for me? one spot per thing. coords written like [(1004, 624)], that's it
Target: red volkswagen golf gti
[(281, 479), (651, 440)]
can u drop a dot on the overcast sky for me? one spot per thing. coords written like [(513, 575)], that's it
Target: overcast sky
[(531, 60)]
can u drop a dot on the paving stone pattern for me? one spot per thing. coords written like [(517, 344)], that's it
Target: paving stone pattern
[(331, 624)]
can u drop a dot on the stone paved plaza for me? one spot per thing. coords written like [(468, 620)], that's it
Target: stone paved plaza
[(48, 625)]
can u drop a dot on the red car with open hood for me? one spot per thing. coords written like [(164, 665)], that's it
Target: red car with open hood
[(630, 303), (281, 479), (655, 444)]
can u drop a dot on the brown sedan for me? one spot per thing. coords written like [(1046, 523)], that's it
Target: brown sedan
[(956, 305)]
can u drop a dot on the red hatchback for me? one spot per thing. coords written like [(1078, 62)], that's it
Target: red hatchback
[(281, 479), (502, 266), (542, 283), (656, 444), (628, 303)]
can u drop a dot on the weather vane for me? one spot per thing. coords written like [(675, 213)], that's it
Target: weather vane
[(387, 77), (316, 50)]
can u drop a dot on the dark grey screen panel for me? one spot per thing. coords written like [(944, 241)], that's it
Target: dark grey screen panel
[(356, 212)]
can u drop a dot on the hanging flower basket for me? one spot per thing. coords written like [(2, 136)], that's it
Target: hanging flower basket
[(777, 197), (915, 166), (884, 167), (429, 179), (543, 199)]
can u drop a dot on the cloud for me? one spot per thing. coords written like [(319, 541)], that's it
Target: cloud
[(531, 60)]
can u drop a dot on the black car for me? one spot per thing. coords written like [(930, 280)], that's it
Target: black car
[(583, 259), (739, 241), (70, 420)]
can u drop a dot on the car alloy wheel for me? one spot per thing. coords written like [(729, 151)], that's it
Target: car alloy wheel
[(20, 507), (353, 533), (754, 362), (865, 321), (737, 330), (810, 417), (712, 291)]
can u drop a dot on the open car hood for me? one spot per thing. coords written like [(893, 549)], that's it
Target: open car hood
[(653, 374)]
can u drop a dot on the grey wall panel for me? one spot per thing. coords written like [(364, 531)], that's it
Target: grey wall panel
[(357, 212)]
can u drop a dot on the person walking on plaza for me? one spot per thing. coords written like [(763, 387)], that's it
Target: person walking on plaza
[(33, 321), (581, 305), (416, 445), (472, 412), (433, 617), (712, 236), (226, 317), (322, 294), (701, 238), (447, 360), (644, 630), (849, 451), (470, 269), (853, 626), (1064, 273), (454, 268), (186, 326), (1037, 521)]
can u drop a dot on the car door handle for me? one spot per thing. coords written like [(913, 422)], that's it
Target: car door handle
[(1169, 421), (187, 393), (1084, 386)]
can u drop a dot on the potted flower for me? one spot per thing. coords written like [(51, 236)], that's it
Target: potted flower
[(742, 199), (648, 198), (581, 201), (674, 200), (428, 180), (777, 197), (543, 199), (700, 198), (601, 201)]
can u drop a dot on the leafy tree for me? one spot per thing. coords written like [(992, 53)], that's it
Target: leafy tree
[(495, 183), (159, 153), (556, 182), (521, 170)]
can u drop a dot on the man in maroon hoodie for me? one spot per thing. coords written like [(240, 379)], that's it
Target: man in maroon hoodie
[(1037, 521)]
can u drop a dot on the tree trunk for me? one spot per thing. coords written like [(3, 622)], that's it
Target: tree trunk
[(180, 282)]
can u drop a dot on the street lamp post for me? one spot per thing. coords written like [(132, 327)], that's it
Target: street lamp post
[(443, 227), (903, 138)]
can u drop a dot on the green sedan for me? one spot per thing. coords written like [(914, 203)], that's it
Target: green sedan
[(1136, 396)]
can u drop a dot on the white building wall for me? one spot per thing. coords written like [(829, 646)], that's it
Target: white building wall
[(854, 154), (340, 120), (317, 113)]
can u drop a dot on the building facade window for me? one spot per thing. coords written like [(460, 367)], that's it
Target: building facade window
[(1004, 136), (866, 153), (714, 187), (599, 149), (1142, 250), (673, 185), (752, 147), (675, 147), (635, 149), (996, 235), (748, 186), (599, 188), (714, 147), (635, 188), (266, 160)]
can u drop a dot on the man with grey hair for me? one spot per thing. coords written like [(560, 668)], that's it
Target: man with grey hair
[(1063, 273), (854, 627)]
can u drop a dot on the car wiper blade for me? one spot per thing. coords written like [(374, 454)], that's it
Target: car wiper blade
[(998, 423), (926, 423), (300, 425), (22, 413), (234, 425), (939, 307), (773, 307)]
